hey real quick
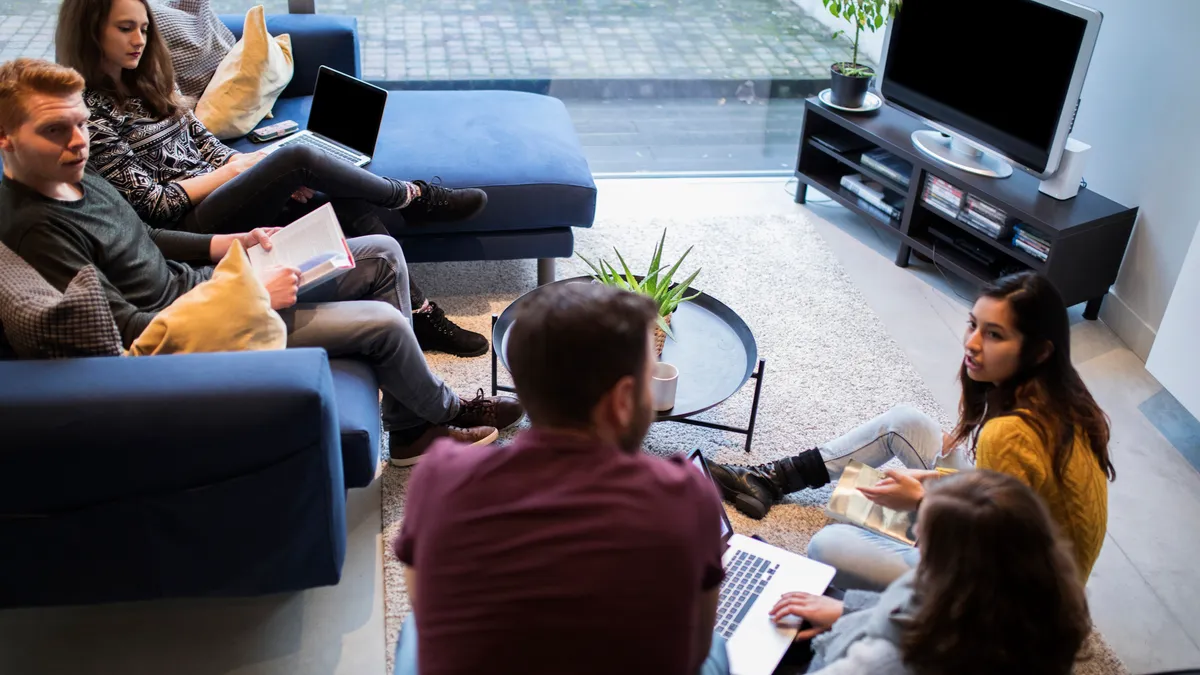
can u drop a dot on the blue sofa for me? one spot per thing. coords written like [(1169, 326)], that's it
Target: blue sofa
[(179, 476), (226, 474), (520, 147)]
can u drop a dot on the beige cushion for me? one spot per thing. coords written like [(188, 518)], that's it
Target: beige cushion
[(229, 313), (249, 80)]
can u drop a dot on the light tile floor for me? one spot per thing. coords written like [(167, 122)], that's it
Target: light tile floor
[(1144, 592), (336, 630)]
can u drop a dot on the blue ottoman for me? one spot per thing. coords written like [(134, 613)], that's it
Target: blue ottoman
[(520, 147)]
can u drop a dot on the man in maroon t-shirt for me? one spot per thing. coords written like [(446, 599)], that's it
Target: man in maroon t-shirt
[(567, 550)]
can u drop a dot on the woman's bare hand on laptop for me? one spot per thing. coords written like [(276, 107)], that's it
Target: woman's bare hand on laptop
[(241, 161), (818, 610)]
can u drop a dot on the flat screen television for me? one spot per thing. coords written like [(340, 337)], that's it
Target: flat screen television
[(1000, 78)]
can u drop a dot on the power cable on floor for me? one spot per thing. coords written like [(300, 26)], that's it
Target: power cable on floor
[(945, 278), (822, 201)]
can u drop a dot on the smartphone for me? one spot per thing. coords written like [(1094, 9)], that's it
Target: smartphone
[(270, 133)]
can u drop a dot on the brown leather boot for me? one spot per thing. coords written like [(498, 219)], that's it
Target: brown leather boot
[(407, 445), (489, 411)]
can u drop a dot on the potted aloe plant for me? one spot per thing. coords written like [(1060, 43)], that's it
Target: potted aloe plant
[(654, 284), (849, 79)]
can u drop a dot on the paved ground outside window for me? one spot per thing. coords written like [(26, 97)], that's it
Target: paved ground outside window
[(658, 86)]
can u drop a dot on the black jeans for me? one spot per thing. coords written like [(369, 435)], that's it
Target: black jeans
[(261, 196)]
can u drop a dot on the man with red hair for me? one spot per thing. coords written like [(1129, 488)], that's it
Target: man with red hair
[(60, 218)]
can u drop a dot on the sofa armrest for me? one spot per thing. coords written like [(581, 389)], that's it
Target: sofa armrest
[(317, 40), (80, 432)]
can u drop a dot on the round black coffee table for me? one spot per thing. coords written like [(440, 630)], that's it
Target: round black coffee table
[(713, 349)]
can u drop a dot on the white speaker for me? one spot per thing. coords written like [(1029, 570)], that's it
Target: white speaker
[(1064, 184)]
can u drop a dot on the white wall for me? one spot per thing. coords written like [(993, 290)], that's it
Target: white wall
[(1173, 360), (1141, 114)]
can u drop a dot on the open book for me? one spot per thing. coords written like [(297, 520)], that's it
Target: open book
[(314, 244), (851, 506)]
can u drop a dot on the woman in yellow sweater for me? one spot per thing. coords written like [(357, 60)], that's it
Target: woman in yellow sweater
[(1024, 412)]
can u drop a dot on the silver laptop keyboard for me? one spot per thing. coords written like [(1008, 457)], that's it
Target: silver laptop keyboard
[(745, 578), (309, 139)]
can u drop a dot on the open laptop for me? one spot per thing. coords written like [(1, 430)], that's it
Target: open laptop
[(756, 576), (345, 118)]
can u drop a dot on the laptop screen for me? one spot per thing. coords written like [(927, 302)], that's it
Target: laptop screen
[(698, 462), (347, 110)]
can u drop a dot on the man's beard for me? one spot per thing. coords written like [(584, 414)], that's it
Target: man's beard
[(631, 440)]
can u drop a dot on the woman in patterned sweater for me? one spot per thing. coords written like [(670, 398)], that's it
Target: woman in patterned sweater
[(177, 175), (1024, 411)]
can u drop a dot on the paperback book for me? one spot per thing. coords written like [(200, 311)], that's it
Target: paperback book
[(888, 164), (849, 505), (314, 244), (873, 193)]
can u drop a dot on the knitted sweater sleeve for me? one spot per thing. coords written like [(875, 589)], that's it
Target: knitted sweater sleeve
[(1009, 445), (111, 155)]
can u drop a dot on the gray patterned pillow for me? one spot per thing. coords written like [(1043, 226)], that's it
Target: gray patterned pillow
[(197, 40), (42, 323)]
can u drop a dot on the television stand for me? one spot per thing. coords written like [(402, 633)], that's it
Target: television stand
[(1087, 235)]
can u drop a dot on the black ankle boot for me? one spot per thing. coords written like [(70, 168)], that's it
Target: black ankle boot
[(439, 204), (436, 332), (753, 489)]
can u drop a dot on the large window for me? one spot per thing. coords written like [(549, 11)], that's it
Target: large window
[(654, 86)]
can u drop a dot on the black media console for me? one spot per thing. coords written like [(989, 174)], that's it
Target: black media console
[(1087, 234)]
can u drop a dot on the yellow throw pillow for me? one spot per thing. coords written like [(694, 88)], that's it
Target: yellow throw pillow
[(229, 313), (249, 80)]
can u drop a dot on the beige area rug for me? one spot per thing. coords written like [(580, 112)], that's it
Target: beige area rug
[(830, 362)]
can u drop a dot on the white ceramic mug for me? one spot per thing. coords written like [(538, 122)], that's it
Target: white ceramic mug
[(663, 386)]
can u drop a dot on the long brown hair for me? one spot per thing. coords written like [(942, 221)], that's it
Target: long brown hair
[(996, 589), (81, 25), (1047, 394)]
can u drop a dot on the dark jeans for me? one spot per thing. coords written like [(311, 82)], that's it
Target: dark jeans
[(262, 197)]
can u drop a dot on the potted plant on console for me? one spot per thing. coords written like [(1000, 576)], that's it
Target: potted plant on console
[(849, 79), (655, 284)]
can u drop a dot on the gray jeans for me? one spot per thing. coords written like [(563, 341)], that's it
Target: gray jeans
[(365, 313), (864, 559)]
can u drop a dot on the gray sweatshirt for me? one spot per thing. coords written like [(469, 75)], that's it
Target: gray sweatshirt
[(866, 639)]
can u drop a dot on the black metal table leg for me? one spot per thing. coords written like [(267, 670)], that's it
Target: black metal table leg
[(748, 432), (758, 378), (493, 338)]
